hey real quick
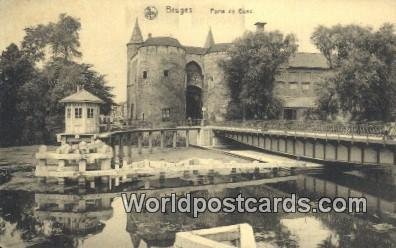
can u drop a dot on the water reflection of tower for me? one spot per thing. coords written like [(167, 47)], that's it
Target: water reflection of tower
[(78, 215)]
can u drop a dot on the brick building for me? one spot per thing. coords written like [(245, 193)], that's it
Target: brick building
[(169, 82), (297, 83)]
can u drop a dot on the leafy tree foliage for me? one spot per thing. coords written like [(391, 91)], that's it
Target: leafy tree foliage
[(62, 39), (15, 71), (250, 68), (363, 85), (35, 77)]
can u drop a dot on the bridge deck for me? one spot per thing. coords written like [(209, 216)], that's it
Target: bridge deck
[(146, 130), (310, 134)]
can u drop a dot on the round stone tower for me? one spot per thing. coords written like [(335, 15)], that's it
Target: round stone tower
[(156, 79), (160, 80)]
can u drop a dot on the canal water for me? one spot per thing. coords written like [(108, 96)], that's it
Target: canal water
[(86, 218)]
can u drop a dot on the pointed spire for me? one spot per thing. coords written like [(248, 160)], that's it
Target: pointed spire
[(209, 39), (136, 34)]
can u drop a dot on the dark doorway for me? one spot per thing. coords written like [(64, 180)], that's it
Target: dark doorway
[(289, 114), (193, 91), (193, 102)]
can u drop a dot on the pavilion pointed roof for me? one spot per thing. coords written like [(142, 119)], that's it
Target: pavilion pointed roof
[(82, 96), (136, 34), (209, 39)]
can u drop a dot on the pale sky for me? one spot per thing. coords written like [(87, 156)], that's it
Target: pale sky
[(107, 24)]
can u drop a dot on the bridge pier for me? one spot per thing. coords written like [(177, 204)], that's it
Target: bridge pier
[(277, 144), (162, 139), (362, 154), (82, 165), (130, 142), (394, 156), (304, 147), (121, 148), (125, 149), (187, 138), (294, 146), (150, 141), (174, 145), (61, 165), (139, 141), (81, 181), (61, 181), (116, 158), (91, 182), (314, 148)]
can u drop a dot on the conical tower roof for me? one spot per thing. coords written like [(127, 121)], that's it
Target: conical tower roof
[(136, 34), (209, 39)]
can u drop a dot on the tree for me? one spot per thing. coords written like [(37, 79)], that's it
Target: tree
[(363, 85), (15, 71), (59, 42), (63, 78), (61, 37), (250, 69), (64, 37), (34, 78)]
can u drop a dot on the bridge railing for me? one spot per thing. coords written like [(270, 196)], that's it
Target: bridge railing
[(106, 125), (192, 122), (386, 130)]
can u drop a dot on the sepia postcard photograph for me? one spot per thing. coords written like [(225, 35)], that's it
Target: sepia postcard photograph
[(198, 124)]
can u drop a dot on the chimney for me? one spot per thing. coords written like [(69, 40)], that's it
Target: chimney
[(260, 26)]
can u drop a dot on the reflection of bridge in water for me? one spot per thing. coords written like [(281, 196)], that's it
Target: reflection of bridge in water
[(142, 226), (377, 201), (85, 213)]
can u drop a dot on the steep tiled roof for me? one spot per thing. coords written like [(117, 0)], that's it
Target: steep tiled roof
[(169, 41), (162, 41), (308, 60), (195, 50), (82, 96), (209, 39), (136, 34), (219, 47), (299, 60)]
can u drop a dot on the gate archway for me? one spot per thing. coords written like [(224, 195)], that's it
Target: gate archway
[(194, 91)]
